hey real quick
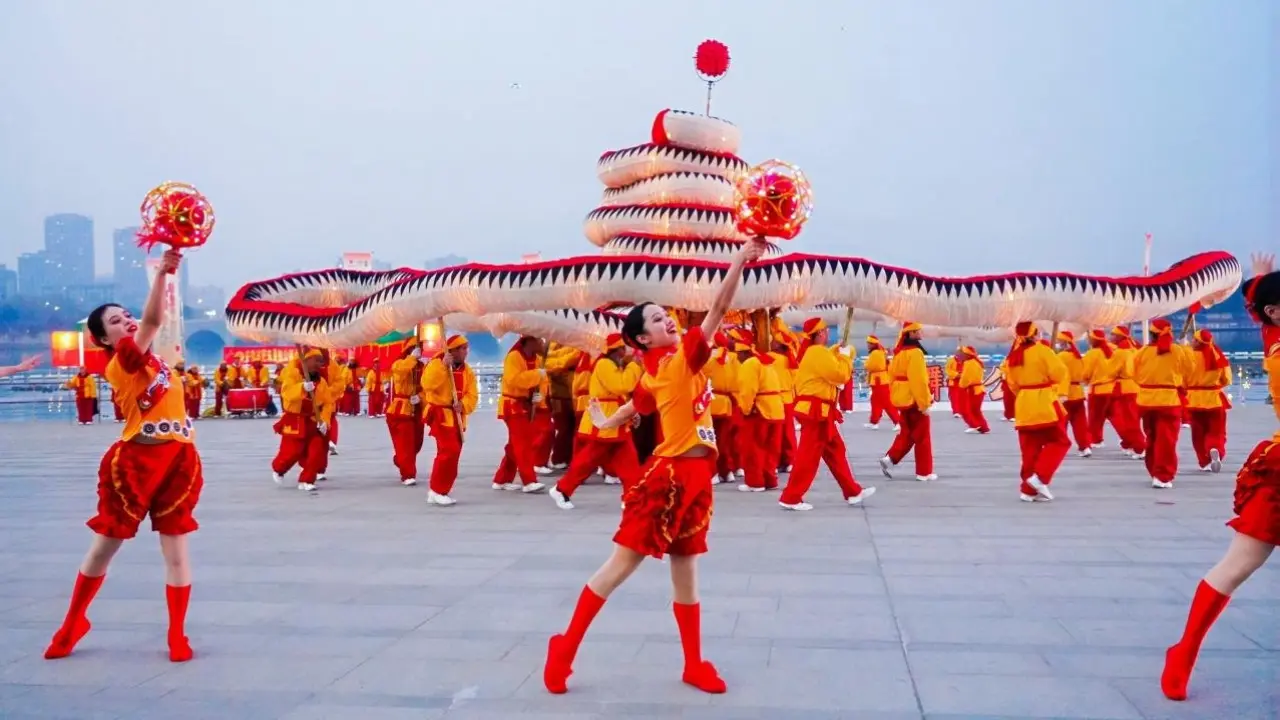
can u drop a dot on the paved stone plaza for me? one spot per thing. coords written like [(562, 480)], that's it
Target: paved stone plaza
[(947, 600)]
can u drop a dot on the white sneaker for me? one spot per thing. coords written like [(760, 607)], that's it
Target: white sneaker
[(506, 486), (600, 472), (1126, 452), (1041, 489), (1186, 425), (797, 506), (435, 498), (786, 469), (886, 466), (871, 426), (533, 488), (333, 448), (611, 480), (927, 478), (559, 466), (971, 431), (857, 499), (896, 428), (1030, 498), (717, 479), (747, 488), (277, 477), (1140, 456), (1161, 485), (1215, 460), (560, 499), (307, 487), (741, 473), (955, 415), (321, 477), (1087, 452), (409, 482), (1206, 469), (542, 470), (1099, 444)]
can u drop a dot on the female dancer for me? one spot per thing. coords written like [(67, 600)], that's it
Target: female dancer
[(153, 469), (668, 511), (1257, 509)]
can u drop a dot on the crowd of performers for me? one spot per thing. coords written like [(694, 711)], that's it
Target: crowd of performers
[(717, 409)]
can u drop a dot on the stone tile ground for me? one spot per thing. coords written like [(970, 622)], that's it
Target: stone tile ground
[(946, 601)]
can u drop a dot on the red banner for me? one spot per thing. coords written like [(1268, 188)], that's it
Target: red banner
[(64, 352), (270, 354)]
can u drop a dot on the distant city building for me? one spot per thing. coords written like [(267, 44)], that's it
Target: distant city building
[(206, 299), (68, 247), (446, 261), (35, 278), (357, 261), (530, 258), (91, 295), (129, 266), (8, 283), (381, 265)]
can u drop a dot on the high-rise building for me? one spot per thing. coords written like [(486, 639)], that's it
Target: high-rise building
[(206, 299), (35, 278), (68, 245), (8, 283), (129, 267), (445, 261)]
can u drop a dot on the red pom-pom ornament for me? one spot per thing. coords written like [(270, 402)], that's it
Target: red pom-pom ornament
[(773, 199), (711, 60), (175, 214)]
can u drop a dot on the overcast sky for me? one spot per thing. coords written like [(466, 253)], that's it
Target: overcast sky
[(952, 136)]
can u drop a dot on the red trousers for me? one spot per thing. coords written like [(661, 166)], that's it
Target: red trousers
[(565, 423), (219, 396), (955, 396), (1009, 398), (444, 469), (1043, 449), (1078, 421), (193, 406), (309, 449), (84, 410), (544, 437), (332, 435), (519, 456), (820, 441), (616, 455), (913, 434), (1097, 409), (728, 429), (116, 406), (971, 409), (1208, 432), (761, 444), (1122, 411), (377, 403), (787, 453), (1161, 426), (407, 435), (880, 405), (845, 398), (136, 480)]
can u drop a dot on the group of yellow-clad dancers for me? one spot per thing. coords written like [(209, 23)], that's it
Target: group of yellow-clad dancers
[(685, 382)]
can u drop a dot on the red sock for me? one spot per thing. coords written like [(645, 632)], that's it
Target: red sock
[(75, 625), (177, 598), (1180, 659), (563, 648), (697, 672)]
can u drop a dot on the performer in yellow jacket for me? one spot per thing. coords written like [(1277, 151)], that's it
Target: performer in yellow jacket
[(193, 391), (562, 362), (1100, 377), (911, 395), (973, 391), (339, 377), (1038, 379), (1122, 411), (1207, 404), (613, 380), (1077, 413), (375, 382), (722, 371), (1158, 370), (951, 373), (450, 393), (404, 413), (524, 409), (86, 395), (1008, 396), (307, 407), (879, 385), (760, 397), (821, 373), (224, 379), (785, 363)]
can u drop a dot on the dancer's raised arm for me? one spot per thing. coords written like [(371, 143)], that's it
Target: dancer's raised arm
[(153, 311), (750, 252)]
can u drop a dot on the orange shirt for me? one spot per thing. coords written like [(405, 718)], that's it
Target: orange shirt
[(971, 376), (439, 393), (149, 394), (1074, 388), (821, 374), (910, 374), (611, 386), (877, 367), (1159, 375), (1205, 385), (952, 371), (722, 370), (1038, 383), (521, 380), (674, 386), (406, 381)]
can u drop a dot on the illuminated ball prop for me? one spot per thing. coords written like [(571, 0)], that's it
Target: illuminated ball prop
[(175, 214), (773, 199)]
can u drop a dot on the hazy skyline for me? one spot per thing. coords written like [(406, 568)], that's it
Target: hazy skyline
[(951, 137)]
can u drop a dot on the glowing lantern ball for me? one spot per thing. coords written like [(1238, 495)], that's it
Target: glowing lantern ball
[(175, 214), (773, 199)]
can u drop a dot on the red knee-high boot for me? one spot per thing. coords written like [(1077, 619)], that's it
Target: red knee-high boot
[(1180, 659), (563, 648), (76, 625), (177, 598), (697, 672)]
